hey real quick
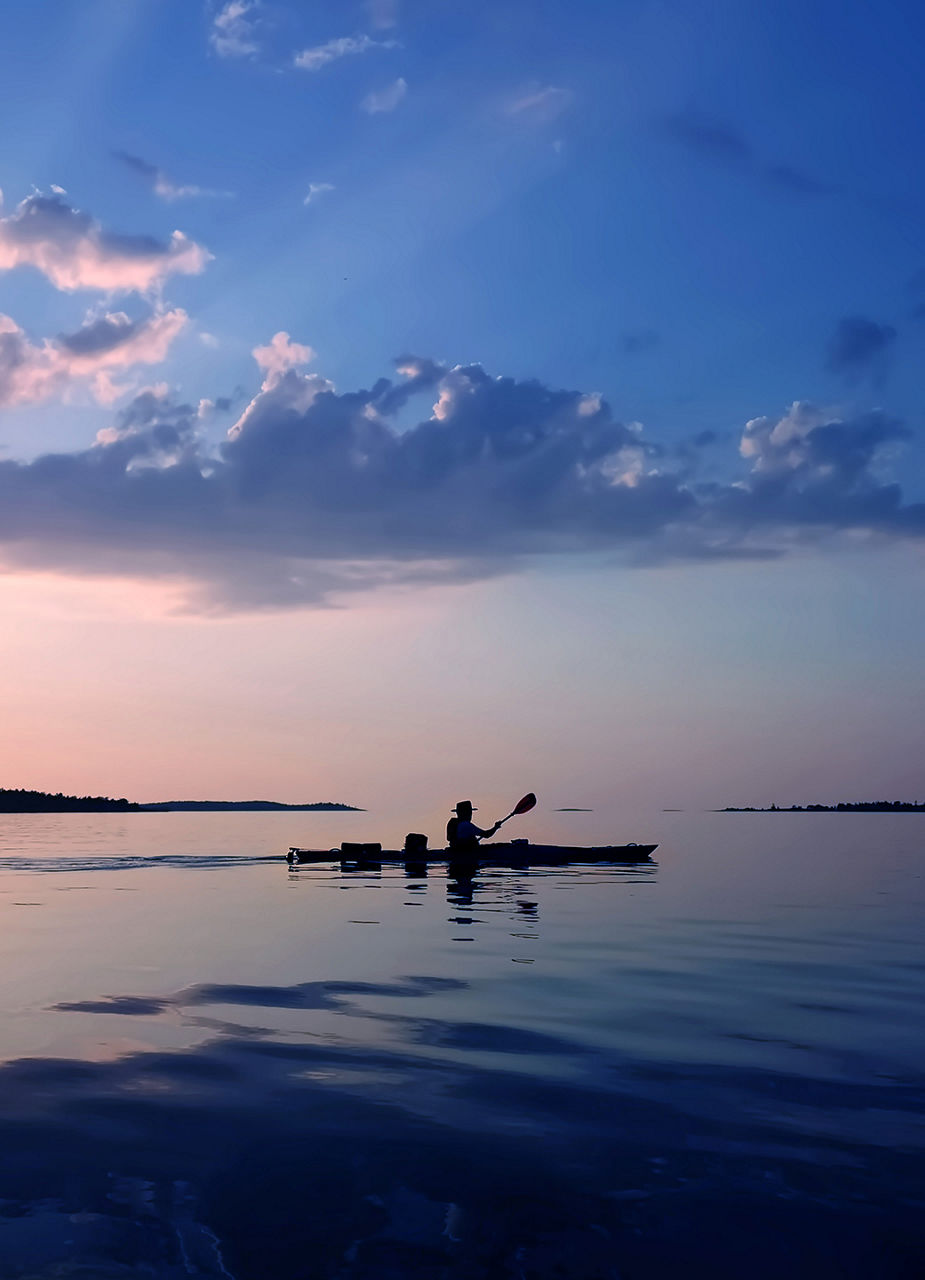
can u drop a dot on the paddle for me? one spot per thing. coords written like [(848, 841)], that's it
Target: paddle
[(522, 806)]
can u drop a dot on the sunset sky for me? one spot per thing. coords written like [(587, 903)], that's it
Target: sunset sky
[(407, 396)]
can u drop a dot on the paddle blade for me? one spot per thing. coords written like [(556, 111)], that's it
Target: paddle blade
[(524, 805)]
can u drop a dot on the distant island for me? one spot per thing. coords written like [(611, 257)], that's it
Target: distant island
[(20, 801), (858, 806), (259, 806)]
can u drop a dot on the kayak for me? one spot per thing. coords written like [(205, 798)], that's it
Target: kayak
[(516, 853)]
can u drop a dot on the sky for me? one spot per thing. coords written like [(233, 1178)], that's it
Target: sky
[(406, 397)]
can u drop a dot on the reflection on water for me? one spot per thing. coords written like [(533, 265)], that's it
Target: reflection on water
[(217, 1065)]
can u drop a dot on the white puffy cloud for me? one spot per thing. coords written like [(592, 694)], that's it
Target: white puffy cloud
[(74, 252), (386, 99), (817, 445), (234, 33)]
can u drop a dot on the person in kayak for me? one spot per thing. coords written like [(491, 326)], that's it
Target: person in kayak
[(462, 835)]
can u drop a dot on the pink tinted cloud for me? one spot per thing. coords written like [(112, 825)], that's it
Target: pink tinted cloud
[(280, 361), (279, 355), (31, 372), (73, 251)]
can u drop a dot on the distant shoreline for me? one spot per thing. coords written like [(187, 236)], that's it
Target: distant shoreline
[(874, 806), (20, 801), (240, 806)]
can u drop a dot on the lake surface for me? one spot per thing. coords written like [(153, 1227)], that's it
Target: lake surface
[(215, 1065)]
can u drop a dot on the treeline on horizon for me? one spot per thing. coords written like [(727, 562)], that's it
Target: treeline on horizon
[(857, 806), (17, 800)]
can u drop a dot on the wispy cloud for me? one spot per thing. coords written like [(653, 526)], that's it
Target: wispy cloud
[(797, 181), (638, 340), (234, 29), (161, 183), (316, 189), (722, 144), (540, 104), (74, 252), (385, 99), (320, 55), (709, 138)]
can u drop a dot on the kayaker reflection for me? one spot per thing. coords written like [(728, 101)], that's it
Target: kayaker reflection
[(462, 835)]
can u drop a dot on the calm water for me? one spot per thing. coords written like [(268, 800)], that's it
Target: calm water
[(213, 1065)]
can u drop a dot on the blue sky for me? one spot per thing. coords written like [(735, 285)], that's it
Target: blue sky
[(461, 231), (688, 216)]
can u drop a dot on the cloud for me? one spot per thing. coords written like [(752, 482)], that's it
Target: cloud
[(160, 183), (382, 13), (540, 104), (709, 138), (812, 469), (859, 348), (385, 99), (720, 143), (817, 446), (233, 32), (30, 373), (320, 55), (74, 252), (797, 181), (316, 189), (279, 356), (639, 340), (316, 494)]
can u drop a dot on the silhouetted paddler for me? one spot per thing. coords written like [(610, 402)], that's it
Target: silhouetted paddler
[(462, 835)]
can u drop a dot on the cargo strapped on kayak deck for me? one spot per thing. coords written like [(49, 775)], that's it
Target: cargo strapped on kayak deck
[(349, 850)]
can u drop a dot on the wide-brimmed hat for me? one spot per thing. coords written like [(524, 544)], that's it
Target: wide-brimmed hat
[(465, 804)]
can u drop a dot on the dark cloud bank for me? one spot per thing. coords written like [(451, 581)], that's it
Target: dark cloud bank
[(315, 493)]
